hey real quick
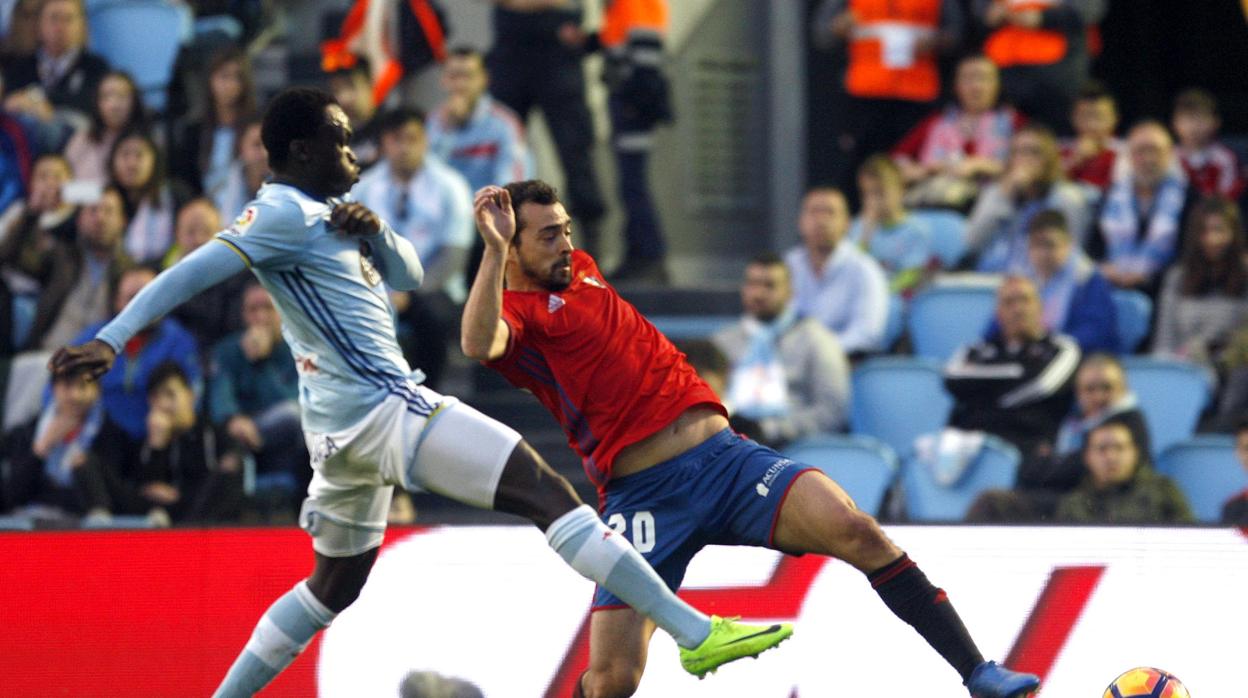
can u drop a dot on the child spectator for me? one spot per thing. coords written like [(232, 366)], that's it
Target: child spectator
[(136, 166), (1235, 511), (1211, 166), (204, 148), (1120, 486), (1204, 299), (1078, 301), (116, 108), (901, 243), (1090, 156)]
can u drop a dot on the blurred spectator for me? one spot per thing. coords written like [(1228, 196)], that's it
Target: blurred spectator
[(53, 459), (709, 362), (1120, 486), (137, 167), (1137, 231), (1016, 385), (20, 32), (893, 76), (471, 131), (17, 152), (1042, 49), (254, 391), (901, 243), (631, 39), (353, 88), (126, 384), (116, 108), (84, 275), (531, 67), (61, 73), (215, 311), (476, 134), (1033, 182), (1235, 511), (430, 204), (1078, 301), (1205, 296), (950, 154), (837, 284), (247, 172), (180, 470), (1090, 156), (31, 230), (204, 148), (1211, 166), (1233, 366), (788, 374)]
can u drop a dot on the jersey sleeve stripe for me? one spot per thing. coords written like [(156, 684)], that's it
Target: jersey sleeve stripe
[(237, 250)]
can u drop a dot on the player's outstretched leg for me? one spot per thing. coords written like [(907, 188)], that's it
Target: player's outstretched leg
[(293, 620), (818, 517), (530, 488)]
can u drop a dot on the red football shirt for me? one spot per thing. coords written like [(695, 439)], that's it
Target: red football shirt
[(606, 373)]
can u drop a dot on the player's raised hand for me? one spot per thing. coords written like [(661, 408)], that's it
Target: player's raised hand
[(495, 220), (355, 219), (92, 359)]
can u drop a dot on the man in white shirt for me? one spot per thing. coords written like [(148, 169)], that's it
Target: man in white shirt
[(430, 204), (837, 284)]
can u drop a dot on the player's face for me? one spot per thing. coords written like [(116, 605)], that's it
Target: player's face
[(331, 154), (544, 246), (766, 291), (1111, 455)]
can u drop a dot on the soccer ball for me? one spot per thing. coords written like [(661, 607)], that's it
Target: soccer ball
[(1146, 682)]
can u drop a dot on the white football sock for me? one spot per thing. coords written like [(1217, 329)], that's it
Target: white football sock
[(282, 633)]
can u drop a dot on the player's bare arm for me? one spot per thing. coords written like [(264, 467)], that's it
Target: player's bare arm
[(485, 335)]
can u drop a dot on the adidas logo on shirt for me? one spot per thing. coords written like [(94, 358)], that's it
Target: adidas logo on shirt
[(554, 304)]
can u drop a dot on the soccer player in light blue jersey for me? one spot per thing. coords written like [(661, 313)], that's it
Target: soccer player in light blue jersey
[(368, 422)]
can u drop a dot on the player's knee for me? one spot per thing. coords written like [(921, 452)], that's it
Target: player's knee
[(862, 540), (615, 681)]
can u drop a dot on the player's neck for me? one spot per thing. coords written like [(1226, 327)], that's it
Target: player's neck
[(306, 186)]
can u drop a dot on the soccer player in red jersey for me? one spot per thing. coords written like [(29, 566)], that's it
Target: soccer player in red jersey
[(655, 440)]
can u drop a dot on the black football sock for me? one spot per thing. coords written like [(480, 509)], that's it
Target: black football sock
[(907, 593)]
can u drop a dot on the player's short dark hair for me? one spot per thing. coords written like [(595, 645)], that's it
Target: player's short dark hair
[(1046, 220), (530, 191), (395, 119), (1094, 91), (1196, 100), (296, 113), (703, 356), (163, 373)]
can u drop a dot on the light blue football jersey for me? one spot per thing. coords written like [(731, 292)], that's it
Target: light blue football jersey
[(335, 309)]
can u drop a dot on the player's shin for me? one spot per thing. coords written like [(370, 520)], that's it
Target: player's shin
[(912, 598), (592, 549), (283, 631)]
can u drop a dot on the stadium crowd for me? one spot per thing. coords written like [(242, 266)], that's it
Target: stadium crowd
[(1053, 201)]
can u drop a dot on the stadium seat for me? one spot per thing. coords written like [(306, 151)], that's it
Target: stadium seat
[(114, 29), (1135, 312), (995, 467), (1172, 394), (863, 466), (948, 234), (898, 399), (947, 317), (1206, 469), (690, 326)]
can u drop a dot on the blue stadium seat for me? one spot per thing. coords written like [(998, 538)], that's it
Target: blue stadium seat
[(691, 326), (1206, 469), (864, 467), (1172, 395), (948, 234), (898, 399), (995, 467), (1135, 312), (946, 317), (141, 37)]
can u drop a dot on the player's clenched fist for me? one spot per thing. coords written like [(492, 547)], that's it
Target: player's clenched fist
[(93, 359), (495, 220), (355, 219)]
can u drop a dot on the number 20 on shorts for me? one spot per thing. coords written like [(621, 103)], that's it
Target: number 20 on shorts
[(643, 534)]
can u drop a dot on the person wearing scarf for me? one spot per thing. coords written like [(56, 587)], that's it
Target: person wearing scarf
[(788, 375)]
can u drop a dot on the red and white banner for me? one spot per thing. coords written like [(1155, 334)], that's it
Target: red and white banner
[(164, 613)]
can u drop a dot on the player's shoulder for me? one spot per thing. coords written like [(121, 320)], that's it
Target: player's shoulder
[(275, 208)]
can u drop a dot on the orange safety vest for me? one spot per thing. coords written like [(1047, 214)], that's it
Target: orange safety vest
[(869, 74), (624, 18), (1011, 46)]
